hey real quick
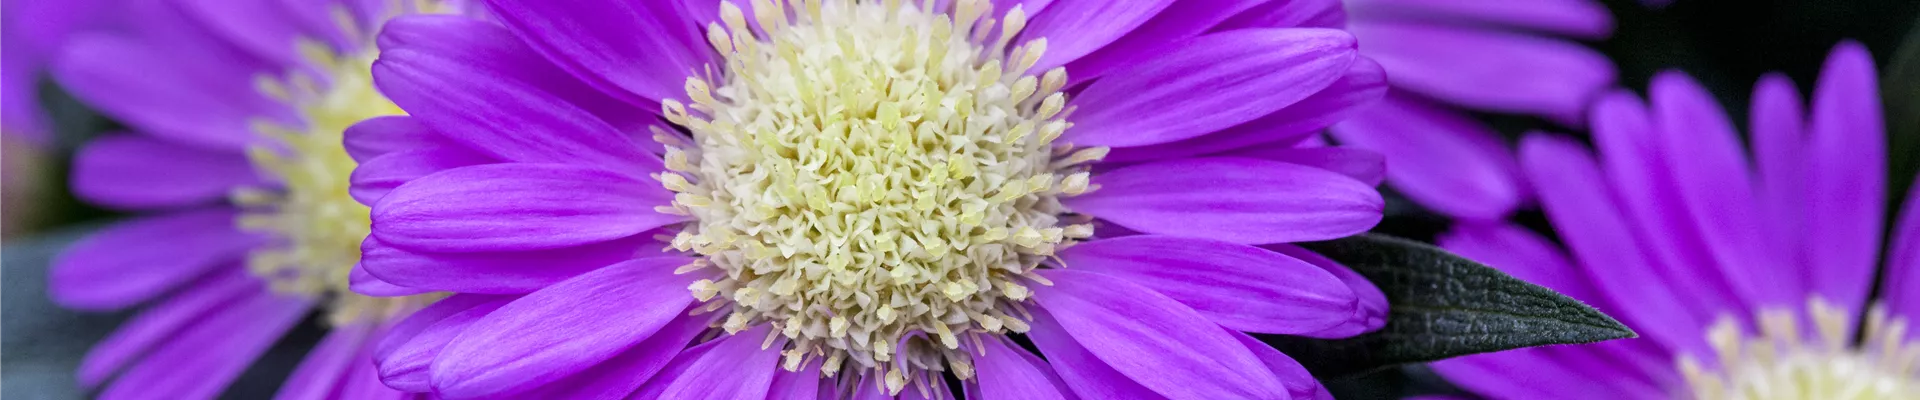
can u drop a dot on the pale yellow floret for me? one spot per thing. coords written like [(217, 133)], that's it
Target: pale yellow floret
[(314, 226), (865, 172), (1782, 365)]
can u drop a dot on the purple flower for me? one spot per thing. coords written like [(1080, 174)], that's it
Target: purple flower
[(860, 199), (1447, 58), (1745, 273), (236, 110), (31, 33)]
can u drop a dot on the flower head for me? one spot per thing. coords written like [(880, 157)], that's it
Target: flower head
[(867, 197), (237, 112), (1747, 276)]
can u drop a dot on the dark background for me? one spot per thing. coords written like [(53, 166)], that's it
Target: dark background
[(1726, 44)]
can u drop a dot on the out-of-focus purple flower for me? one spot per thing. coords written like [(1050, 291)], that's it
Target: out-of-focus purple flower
[(862, 199), (1447, 58), (236, 110), (30, 33), (1745, 273)]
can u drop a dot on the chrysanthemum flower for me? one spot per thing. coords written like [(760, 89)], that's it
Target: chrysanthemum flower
[(237, 110), (1449, 58), (1747, 274), (861, 199)]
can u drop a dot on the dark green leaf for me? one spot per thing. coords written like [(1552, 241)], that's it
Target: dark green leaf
[(1900, 91), (1443, 306)]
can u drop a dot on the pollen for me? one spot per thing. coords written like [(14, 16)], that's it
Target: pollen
[(1782, 365), (876, 180), (315, 227)]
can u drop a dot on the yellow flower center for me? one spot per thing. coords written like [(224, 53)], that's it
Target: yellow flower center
[(1781, 365), (316, 227), (877, 181)]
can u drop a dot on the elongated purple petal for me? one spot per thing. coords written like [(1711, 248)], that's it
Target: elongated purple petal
[(498, 272), (654, 388), (1488, 69), (1007, 371), (1443, 160), (1232, 77), (1300, 384), (402, 356), (806, 384), (1902, 285), (526, 110), (1177, 23), (374, 178), (1154, 340), (1710, 174), (1075, 28), (1362, 85), (736, 368), (1290, 14), (1586, 19), (214, 294), (381, 135), (1237, 200), (508, 207), (1847, 186), (205, 357), (622, 374), (334, 358), (1361, 165), (563, 329), (1551, 374), (138, 172), (1089, 377), (359, 281), (136, 260), (193, 104), (1780, 157), (1237, 286), (1369, 313), (602, 39)]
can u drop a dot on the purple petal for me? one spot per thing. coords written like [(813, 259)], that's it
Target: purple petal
[(671, 374), (1007, 371), (563, 329), (1441, 159), (1575, 198), (137, 172), (202, 359), (1237, 286), (1780, 158), (509, 207), (258, 27), (1232, 77), (359, 281), (1290, 14), (335, 357), (376, 177), (498, 272), (1361, 165), (404, 353), (475, 83), (1586, 19), (1847, 176), (172, 96), (1709, 171), (642, 47), (1154, 340), (1177, 23), (1362, 85), (1902, 284), (1075, 28), (136, 260), (1089, 377), (1237, 200), (1488, 69), (738, 367), (1551, 374), (1369, 312), (621, 375), (363, 381), (1300, 384), (381, 135), (212, 295), (805, 384)]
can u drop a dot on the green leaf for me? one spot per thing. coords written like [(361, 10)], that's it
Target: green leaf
[(1443, 306), (1900, 94)]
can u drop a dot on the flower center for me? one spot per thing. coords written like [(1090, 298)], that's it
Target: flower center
[(1781, 365), (875, 180), (315, 225)]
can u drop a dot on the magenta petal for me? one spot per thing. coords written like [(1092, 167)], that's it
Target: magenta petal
[(1177, 23), (475, 84), (1089, 377), (138, 172), (374, 178), (1488, 69), (498, 272), (1237, 286), (1369, 312), (736, 368), (1710, 173), (1300, 384), (1847, 176), (1577, 201), (1441, 159), (1231, 77), (202, 359), (673, 371), (603, 39), (1552, 374), (1153, 339), (1237, 200), (381, 135), (1007, 371), (1290, 14), (409, 365), (359, 281), (1362, 85), (123, 78), (1361, 165), (325, 365), (563, 329), (1075, 28), (136, 260), (1778, 121), (1582, 18), (154, 325), (622, 374), (806, 384), (1902, 284), (507, 207)]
